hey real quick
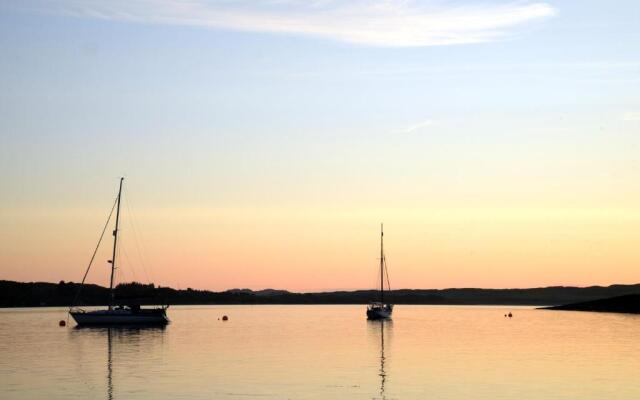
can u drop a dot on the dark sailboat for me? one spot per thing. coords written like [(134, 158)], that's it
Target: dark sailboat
[(380, 309), (117, 314)]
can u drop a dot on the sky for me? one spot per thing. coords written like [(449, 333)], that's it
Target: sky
[(263, 142)]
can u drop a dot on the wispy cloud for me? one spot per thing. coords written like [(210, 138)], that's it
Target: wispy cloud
[(380, 23), (414, 127), (631, 116)]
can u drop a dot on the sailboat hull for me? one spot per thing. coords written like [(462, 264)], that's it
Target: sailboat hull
[(380, 312), (121, 317)]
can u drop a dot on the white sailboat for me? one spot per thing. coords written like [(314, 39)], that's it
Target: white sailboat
[(380, 309), (118, 314)]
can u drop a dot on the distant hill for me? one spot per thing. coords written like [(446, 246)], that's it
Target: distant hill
[(34, 294), (263, 292), (629, 303)]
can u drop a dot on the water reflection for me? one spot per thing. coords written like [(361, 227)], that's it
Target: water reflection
[(377, 329), (126, 338), (109, 365), (263, 352)]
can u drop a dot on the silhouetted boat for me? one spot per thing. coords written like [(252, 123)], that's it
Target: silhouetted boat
[(380, 309), (117, 314)]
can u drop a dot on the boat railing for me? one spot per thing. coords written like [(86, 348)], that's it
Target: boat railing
[(377, 304)]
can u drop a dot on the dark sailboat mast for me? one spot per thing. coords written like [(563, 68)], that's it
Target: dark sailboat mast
[(381, 264), (115, 244), (378, 309)]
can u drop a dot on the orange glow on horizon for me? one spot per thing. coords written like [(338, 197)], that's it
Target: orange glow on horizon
[(320, 249)]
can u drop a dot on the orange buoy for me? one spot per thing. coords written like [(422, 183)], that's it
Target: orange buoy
[(62, 323), (225, 318)]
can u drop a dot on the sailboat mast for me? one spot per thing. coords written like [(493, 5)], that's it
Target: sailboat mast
[(115, 244), (381, 264)]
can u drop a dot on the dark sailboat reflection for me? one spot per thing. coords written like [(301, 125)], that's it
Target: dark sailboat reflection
[(138, 336), (109, 365), (378, 328)]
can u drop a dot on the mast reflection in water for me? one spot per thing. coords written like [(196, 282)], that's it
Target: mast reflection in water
[(378, 329), (109, 365), (119, 340)]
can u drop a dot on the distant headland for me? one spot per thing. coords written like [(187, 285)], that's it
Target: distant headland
[(629, 304), (36, 294)]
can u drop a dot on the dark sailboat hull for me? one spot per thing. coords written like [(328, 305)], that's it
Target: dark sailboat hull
[(156, 316), (379, 312)]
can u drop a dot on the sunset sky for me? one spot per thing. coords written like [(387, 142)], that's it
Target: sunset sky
[(263, 142)]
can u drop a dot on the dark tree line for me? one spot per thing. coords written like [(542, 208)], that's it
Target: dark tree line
[(34, 294)]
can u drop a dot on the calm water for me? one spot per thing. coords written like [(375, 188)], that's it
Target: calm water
[(325, 352)]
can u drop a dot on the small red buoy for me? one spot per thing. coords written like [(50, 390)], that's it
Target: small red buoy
[(62, 323), (225, 318)]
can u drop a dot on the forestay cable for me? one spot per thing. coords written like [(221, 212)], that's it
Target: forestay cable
[(94, 255)]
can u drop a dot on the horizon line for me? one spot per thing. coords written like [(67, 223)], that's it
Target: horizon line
[(332, 290)]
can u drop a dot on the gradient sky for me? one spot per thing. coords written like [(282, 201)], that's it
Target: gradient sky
[(264, 142)]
